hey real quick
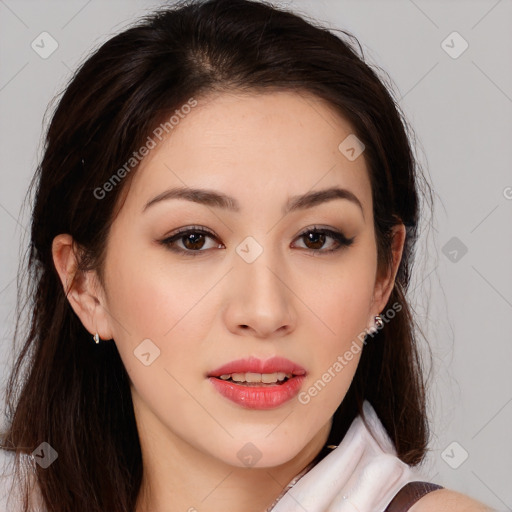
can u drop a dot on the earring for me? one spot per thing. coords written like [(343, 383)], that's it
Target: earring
[(379, 323), (96, 338)]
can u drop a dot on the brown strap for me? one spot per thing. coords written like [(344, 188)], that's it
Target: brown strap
[(409, 494)]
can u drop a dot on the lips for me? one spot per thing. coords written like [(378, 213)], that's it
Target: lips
[(255, 365), (255, 395)]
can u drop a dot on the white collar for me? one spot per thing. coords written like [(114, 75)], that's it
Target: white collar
[(362, 474)]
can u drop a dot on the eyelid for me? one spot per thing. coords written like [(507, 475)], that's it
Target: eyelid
[(186, 229), (323, 229)]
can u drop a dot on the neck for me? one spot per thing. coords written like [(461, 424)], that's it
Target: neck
[(179, 477)]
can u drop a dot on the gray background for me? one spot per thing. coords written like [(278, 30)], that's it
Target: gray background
[(460, 109)]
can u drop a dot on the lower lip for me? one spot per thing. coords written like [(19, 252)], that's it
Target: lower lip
[(259, 397)]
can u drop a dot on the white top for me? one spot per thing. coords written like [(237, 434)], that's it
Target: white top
[(362, 474)]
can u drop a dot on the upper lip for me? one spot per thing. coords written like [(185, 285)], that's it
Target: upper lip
[(255, 365)]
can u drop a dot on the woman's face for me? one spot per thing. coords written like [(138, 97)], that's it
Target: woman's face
[(249, 280)]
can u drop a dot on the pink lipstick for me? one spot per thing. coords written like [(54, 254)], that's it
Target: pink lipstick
[(256, 384)]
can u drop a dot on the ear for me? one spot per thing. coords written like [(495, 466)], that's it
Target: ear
[(384, 284), (83, 290)]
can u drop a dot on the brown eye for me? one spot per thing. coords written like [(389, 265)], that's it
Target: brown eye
[(315, 238), (191, 241)]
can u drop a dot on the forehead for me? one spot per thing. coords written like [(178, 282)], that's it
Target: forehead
[(251, 146)]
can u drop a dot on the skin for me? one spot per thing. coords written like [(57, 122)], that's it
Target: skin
[(204, 311)]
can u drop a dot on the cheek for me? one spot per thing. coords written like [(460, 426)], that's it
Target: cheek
[(150, 298), (169, 314), (340, 296), (341, 306), (161, 313), (165, 318)]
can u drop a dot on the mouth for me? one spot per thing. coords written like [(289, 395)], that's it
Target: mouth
[(256, 384), (257, 379)]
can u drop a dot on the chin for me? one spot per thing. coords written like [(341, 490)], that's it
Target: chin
[(262, 453)]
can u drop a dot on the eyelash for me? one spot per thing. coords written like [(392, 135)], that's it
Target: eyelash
[(337, 236)]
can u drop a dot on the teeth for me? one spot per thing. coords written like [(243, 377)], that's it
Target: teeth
[(266, 378)]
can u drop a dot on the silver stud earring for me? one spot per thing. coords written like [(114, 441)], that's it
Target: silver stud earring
[(379, 323), (96, 338)]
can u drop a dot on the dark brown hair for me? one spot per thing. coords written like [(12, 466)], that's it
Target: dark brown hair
[(74, 394)]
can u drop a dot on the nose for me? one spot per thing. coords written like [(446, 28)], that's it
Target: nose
[(261, 301)]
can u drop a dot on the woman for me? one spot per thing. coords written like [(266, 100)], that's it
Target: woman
[(222, 235)]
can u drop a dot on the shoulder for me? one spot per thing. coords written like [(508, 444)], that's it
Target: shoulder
[(445, 500)]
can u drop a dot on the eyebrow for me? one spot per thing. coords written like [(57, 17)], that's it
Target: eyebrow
[(220, 200)]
